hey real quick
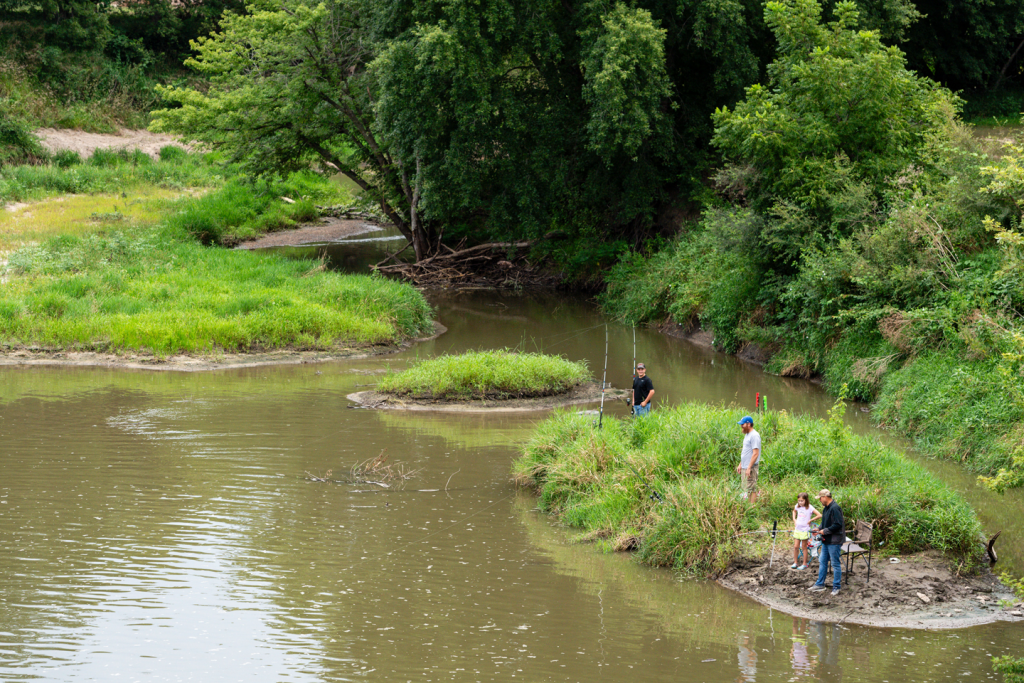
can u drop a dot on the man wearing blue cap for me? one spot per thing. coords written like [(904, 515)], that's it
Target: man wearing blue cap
[(750, 458)]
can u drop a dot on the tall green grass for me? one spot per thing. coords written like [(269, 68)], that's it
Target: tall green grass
[(245, 210), (149, 290), (600, 481), (961, 409), (107, 172), (486, 374)]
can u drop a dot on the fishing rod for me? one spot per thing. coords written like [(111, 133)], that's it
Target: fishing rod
[(651, 493), (630, 399), (604, 378)]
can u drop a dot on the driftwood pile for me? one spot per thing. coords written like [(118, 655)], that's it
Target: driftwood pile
[(496, 264)]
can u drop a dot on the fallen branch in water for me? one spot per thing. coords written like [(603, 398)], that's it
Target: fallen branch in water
[(326, 477), (495, 264), (381, 471), (376, 471)]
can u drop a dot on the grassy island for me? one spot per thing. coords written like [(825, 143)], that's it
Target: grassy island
[(500, 374), (601, 481)]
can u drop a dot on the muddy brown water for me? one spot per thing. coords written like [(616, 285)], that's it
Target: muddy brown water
[(160, 527)]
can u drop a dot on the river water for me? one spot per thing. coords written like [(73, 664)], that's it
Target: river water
[(163, 527)]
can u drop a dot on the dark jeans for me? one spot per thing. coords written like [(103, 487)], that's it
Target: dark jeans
[(830, 553)]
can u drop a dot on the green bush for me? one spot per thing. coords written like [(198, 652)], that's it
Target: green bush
[(955, 408), (113, 172), (66, 158), (1012, 668), (599, 480), (17, 144)]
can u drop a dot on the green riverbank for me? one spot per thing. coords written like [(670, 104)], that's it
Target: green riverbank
[(138, 277), (600, 481)]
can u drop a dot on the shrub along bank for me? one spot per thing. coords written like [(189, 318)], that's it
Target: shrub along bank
[(500, 374), (600, 481)]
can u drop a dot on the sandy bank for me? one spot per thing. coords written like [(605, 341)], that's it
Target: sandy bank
[(328, 230), (892, 599), (135, 360), (56, 139), (583, 393)]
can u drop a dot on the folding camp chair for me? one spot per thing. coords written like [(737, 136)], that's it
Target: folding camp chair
[(858, 547)]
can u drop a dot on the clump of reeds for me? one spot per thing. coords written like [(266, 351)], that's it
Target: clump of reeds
[(498, 374), (601, 482)]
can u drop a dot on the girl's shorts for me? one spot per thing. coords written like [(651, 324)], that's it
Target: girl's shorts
[(801, 535)]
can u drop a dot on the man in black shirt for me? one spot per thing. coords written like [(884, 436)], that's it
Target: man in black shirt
[(643, 391), (833, 535)]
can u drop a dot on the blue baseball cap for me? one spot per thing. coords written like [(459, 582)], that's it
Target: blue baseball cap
[(746, 421)]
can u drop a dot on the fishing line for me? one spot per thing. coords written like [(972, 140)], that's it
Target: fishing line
[(579, 334)]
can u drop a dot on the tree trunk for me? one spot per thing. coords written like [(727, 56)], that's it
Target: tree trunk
[(420, 243), (1009, 62)]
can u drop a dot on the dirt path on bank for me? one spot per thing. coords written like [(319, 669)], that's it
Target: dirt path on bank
[(919, 591), (328, 230), (584, 393), (56, 139)]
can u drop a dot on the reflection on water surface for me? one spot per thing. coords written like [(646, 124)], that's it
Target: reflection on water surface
[(160, 527)]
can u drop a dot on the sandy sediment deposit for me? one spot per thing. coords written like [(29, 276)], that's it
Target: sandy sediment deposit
[(56, 139), (915, 591)]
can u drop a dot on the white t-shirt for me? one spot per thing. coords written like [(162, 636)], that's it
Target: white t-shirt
[(750, 442), (803, 517)]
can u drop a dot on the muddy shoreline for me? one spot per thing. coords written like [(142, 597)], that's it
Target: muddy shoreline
[(135, 360), (917, 592), (584, 393), (326, 230)]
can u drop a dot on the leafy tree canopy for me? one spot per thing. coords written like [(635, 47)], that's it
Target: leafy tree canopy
[(840, 116)]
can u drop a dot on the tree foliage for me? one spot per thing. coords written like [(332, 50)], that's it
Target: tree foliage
[(289, 88)]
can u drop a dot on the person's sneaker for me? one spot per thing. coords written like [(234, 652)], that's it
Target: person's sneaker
[(816, 588), (794, 566), (802, 567), (835, 592)]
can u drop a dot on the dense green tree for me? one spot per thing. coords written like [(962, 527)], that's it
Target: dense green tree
[(816, 148), (506, 117), (528, 116), (288, 88)]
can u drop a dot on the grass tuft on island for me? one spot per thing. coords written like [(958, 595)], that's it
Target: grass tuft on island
[(687, 454), (497, 374)]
